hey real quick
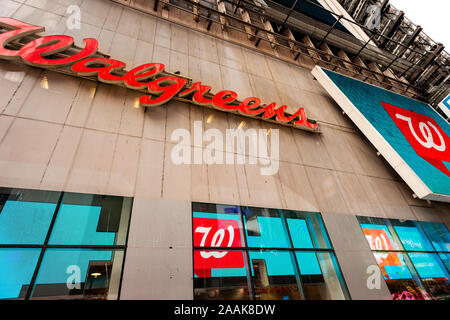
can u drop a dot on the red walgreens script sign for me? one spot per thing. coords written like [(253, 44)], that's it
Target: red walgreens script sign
[(428, 140), (216, 233), (146, 78)]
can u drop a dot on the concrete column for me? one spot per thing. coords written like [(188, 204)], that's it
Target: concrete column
[(354, 256), (158, 263)]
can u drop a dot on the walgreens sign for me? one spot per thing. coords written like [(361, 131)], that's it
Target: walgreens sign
[(52, 52), (410, 135)]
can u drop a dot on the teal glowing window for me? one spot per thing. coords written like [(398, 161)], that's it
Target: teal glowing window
[(262, 254), (56, 245), (438, 235), (411, 255)]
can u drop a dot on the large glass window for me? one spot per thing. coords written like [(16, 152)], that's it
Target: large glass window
[(57, 245), (262, 254), (412, 256)]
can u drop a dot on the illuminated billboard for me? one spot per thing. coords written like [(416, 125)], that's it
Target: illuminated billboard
[(410, 135)]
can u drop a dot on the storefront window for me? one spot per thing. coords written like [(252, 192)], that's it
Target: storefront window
[(412, 267), (274, 275), (16, 270), (76, 244), (25, 215), (262, 254), (438, 235)]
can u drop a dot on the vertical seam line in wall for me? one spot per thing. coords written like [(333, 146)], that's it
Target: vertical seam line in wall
[(164, 154)]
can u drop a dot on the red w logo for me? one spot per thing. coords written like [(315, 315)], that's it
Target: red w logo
[(428, 140)]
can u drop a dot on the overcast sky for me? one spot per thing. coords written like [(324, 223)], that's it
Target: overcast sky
[(432, 15)]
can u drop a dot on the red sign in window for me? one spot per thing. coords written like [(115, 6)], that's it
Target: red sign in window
[(216, 233)]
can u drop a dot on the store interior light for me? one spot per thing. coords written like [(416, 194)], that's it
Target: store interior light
[(96, 274)]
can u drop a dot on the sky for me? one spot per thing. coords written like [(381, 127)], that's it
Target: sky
[(432, 15)]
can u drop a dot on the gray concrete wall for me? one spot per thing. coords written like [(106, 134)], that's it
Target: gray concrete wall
[(355, 257), (58, 132), (158, 261)]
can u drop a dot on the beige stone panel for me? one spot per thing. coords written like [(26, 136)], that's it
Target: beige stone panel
[(150, 171), (391, 199), (196, 114), (55, 6), (262, 190), (179, 39), (321, 108), (21, 94), (85, 31), (92, 164), (107, 108), (288, 150), (426, 214), (282, 71), (222, 180), (408, 195), (237, 81), (11, 77), (179, 62), (113, 18), (250, 127), (265, 90), (82, 103), (176, 178), (163, 33), (203, 47), (105, 42), (305, 81), (257, 64), (356, 196), (155, 123), (312, 149), (289, 96), (25, 152), (147, 29), (132, 121), (241, 177), (8, 8), (123, 48), (327, 191), (51, 98), (296, 191), (207, 72), (95, 12), (162, 55), (199, 180), (366, 155), (231, 56), (129, 23), (5, 123), (144, 54), (35, 16), (177, 118), (61, 160), (340, 153), (214, 119), (372, 204), (122, 179)]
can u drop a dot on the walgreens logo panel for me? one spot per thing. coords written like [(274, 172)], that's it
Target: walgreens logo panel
[(409, 134)]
